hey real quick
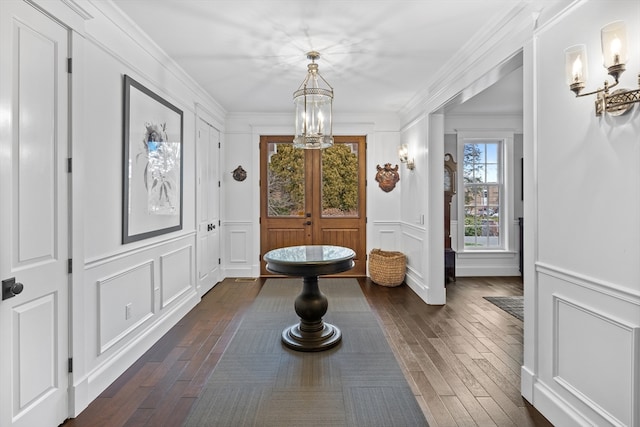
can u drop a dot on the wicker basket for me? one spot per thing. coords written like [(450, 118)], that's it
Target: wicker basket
[(387, 268)]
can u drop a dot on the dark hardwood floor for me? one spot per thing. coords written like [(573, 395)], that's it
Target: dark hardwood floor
[(462, 359)]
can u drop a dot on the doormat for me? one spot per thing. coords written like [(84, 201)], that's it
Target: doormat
[(514, 305), (260, 382)]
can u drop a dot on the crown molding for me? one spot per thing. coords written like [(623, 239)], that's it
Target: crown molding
[(474, 59), (113, 17)]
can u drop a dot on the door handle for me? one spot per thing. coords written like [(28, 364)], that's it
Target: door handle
[(308, 223), (11, 288)]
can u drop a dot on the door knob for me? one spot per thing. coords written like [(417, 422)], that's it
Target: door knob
[(308, 223), (11, 288)]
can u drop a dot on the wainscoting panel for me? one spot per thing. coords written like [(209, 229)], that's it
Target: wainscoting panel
[(132, 298), (175, 274), (237, 258), (385, 235), (413, 242), (573, 313), (576, 329), (125, 300), (469, 264), (238, 246)]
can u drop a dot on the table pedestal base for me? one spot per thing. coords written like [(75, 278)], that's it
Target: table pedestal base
[(312, 333), (299, 340)]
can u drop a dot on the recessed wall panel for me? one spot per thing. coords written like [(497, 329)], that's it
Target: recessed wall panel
[(175, 274), (238, 246), (125, 300), (593, 355)]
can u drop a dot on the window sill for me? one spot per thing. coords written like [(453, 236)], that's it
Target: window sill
[(488, 253)]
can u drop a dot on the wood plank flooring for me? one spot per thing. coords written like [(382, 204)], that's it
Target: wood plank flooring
[(462, 359)]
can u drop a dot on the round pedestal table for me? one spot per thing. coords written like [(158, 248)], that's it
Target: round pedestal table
[(309, 262)]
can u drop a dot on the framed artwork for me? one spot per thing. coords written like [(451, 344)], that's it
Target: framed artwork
[(152, 164)]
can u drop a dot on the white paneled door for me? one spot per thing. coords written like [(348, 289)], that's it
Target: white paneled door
[(34, 236), (208, 205)]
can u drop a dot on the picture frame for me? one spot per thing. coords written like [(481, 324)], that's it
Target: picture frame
[(152, 168)]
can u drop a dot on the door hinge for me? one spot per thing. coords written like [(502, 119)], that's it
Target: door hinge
[(219, 223), (69, 165), (70, 365), (69, 65), (69, 266), (260, 220), (219, 261), (219, 184), (219, 145)]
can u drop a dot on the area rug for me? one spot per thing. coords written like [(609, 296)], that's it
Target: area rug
[(514, 305), (260, 382)]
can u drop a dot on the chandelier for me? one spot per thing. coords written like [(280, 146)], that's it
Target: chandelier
[(313, 101)]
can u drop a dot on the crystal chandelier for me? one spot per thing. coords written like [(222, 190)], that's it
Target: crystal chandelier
[(313, 101)]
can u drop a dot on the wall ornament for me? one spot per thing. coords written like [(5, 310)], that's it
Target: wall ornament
[(387, 177)]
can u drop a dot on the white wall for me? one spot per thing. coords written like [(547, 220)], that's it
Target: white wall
[(155, 277), (241, 210), (582, 242)]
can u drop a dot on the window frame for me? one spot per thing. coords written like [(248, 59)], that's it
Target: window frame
[(505, 185)]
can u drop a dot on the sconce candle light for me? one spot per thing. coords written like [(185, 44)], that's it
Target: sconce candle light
[(403, 153), (614, 52)]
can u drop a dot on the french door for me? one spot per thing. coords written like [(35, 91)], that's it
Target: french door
[(313, 197)]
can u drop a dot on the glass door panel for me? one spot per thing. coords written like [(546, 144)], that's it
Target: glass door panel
[(340, 178), (285, 180)]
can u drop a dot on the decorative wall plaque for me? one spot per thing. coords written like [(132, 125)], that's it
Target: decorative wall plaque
[(387, 177), (239, 174)]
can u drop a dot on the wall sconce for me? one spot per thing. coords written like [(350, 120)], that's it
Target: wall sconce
[(403, 153), (614, 52)]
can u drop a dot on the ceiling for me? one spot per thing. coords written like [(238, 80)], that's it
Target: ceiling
[(250, 55)]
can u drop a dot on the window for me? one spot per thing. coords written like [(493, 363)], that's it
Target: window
[(483, 194)]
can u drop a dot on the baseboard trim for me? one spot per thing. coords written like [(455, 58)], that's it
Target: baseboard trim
[(89, 387), (527, 382), (556, 409)]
